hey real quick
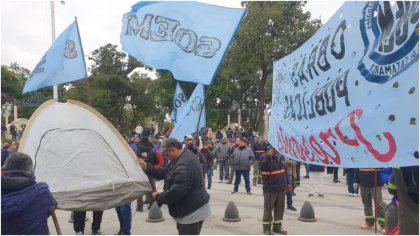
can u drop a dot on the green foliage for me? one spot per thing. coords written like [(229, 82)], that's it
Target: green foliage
[(10, 84), (13, 78), (124, 97), (270, 31)]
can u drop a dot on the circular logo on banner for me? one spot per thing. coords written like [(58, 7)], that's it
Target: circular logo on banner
[(196, 104), (70, 50), (390, 35)]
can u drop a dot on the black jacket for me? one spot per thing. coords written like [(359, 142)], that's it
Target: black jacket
[(146, 146), (208, 158), (184, 190), (273, 181), (316, 168), (366, 177), (259, 149)]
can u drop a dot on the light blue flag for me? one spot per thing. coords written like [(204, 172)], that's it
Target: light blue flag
[(187, 120), (63, 62), (187, 38), (180, 101)]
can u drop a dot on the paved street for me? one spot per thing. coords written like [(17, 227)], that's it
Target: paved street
[(337, 213)]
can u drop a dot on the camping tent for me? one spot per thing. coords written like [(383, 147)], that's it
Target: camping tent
[(81, 156)]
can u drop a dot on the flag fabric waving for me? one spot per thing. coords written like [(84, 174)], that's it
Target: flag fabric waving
[(187, 38), (187, 120), (180, 100), (63, 62), (348, 97)]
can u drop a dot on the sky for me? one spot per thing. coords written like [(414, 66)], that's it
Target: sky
[(26, 25)]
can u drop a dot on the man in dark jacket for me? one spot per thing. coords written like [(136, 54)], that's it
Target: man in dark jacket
[(219, 136), (25, 204), (259, 149), (183, 191), (147, 152), (275, 185), (208, 156), (365, 179), (229, 133)]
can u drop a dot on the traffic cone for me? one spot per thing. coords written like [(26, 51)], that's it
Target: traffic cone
[(231, 213), (155, 214), (307, 213)]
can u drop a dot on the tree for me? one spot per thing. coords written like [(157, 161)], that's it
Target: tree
[(124, 97), (13, 79), (10, 83), (108, 60), (270, 31)]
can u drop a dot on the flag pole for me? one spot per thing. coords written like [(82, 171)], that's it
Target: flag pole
[(201, 112), (55, 87), (375, 185)]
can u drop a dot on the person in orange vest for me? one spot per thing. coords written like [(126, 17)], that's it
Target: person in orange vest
[(275, 186), (365, 179)]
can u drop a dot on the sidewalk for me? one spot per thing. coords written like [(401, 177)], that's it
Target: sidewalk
[(337, 213)]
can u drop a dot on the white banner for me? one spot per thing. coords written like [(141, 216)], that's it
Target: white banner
[(348, 97)]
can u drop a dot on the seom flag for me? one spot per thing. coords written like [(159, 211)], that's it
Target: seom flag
[(62, 63), (180, 101), (187, 38), (188, 119)]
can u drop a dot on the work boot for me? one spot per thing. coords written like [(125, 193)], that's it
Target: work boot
[(267, 232), (277, 230), (97, 232)]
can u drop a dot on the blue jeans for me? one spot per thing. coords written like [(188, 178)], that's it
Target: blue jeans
[(245, 174), (307, 169), (289, 195), (349, 182), (298, 171), (124, 216), (223, 170), (209, 176)]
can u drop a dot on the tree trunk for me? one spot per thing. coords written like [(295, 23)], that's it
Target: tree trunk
[(261, 104)]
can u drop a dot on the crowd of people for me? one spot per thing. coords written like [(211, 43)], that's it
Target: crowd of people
[(15, 132), (187, 170)]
